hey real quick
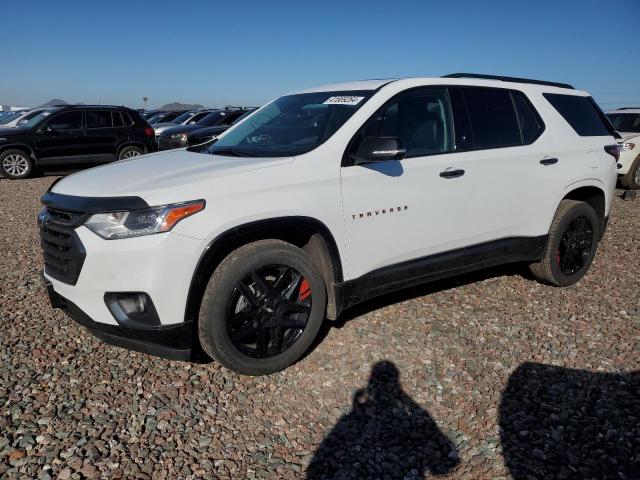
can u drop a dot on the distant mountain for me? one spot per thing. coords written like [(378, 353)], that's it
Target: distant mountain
[(181, 106), (53, 102)]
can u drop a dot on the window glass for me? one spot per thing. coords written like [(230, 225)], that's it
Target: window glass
[(461, 123), (126, 118), (581, 113), (291, 125), (420, 118), (117, 119), (492, 116), (99, 119), (182, 118), (229, 118), (209, 120), (625, 122), (170, 117), (530, 122), (66, 121)]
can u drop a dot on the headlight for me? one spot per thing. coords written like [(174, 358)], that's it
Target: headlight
[(136, 223), (625, 147), (179, 136)]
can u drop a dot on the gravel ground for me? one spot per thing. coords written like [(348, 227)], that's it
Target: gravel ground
[(490, 375)]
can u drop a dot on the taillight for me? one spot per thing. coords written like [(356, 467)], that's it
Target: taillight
[(613, 150), (149, 132)]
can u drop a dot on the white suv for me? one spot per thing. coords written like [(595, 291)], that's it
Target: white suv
[(627, 122), (322, 199)]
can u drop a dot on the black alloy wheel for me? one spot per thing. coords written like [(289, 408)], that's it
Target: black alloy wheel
[(268, 311), (571, 245), (575, 246), (262, 308)]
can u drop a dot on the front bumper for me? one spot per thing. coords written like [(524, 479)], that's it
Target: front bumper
[(175, 342)]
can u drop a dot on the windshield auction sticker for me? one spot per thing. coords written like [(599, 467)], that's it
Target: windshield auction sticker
[(346, 100)]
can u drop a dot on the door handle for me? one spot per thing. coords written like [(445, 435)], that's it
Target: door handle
[(548, 161), (452, 173)]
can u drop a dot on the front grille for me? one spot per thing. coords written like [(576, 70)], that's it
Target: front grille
[(62, 249)]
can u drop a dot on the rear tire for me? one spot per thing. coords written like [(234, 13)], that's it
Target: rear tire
[(130, 152), (631, 180), (262, 308), (571, 246), (15, 164)]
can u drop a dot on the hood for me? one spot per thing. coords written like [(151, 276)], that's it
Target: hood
[(156, 176), (180, 129), (161, 127), (628, 135)]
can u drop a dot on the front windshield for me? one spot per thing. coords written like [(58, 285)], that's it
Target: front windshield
[(291, 125), (625, 122), (182, 118), (35, 119), (210, 120), (10, 117)]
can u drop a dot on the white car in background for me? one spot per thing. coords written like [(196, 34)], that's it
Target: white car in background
[(627, 122), (24, 117)]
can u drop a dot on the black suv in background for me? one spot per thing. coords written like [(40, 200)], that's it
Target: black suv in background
[(206, 134), (74, 135), (176, 137)]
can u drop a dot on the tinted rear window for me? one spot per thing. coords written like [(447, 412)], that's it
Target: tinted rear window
[(117, 119), (581, 113), (99, 119), (493, 118), (127, 118)]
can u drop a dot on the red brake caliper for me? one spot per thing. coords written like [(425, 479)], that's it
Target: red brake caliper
[(305, 290)]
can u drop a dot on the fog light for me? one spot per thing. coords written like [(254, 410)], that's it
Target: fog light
[(141, 302), (132, 309)]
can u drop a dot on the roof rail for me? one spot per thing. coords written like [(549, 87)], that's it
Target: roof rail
[(94, 106), (508, 79), (628, 108)]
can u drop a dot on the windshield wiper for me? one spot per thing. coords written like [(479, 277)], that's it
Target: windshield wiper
[(231, 152)]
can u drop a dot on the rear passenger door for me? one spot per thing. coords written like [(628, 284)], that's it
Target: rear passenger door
[(101, 135), (510, 162)]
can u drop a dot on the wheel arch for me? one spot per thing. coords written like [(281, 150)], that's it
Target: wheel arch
[(308, 233), (594, 196), (18, 146), (131, 144)]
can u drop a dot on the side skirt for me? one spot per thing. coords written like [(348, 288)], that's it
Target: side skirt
[(439, 266)]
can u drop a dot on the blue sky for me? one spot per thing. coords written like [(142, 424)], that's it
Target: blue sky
[(247, 52)]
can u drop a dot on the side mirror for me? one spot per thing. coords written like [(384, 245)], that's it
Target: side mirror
[(379, 149)]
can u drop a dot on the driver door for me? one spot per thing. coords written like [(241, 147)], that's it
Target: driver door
[(61, 138), (399, 211)]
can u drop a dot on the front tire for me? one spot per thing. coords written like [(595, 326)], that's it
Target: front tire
[(15, 164), (262, 308), (571, 246), (631, 180)]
